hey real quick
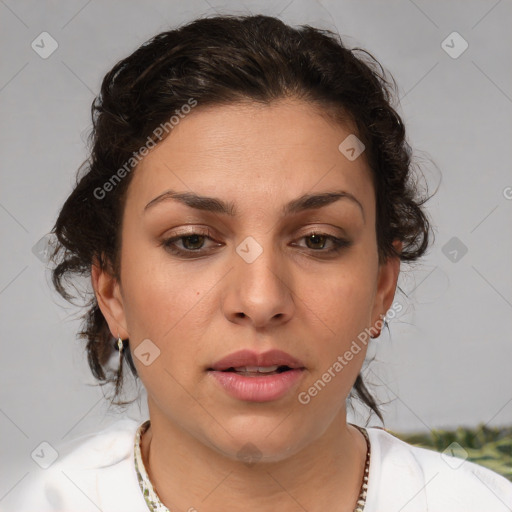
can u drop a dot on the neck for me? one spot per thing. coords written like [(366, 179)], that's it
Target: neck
[(188, 474)]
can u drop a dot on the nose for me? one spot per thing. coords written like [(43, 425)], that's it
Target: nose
[(259, 291)]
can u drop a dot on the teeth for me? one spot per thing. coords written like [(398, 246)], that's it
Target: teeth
[(260, 369)]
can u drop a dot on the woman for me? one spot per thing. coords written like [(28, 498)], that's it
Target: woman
[(242, 217)]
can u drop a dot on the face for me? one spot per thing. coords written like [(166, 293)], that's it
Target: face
[(271, 272)]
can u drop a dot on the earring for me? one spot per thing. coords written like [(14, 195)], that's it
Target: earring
[(120, 344), (120, 347)]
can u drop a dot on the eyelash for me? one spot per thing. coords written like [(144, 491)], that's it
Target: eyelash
[(339, 244)]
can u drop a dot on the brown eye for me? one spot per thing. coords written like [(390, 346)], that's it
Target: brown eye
[(316, 242), (192, 244)]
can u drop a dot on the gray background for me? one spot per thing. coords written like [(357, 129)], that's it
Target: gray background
[(447, 361)]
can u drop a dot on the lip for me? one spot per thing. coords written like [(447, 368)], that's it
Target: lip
[(260, 388), (251, 358)]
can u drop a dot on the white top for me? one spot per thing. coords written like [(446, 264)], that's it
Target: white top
[(96, 472)]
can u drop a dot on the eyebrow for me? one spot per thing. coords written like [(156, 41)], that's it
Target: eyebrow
[(215, 205)]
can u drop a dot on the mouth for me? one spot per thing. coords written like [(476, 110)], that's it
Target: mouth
[(253, 377), (252, 362), (256, 371)]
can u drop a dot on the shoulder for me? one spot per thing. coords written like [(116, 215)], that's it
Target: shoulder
[(91, 472), (415, 478)]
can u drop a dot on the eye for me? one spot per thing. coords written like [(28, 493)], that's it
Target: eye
[(319, 241), (193, 243)]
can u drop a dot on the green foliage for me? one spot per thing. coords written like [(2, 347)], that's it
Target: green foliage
[(489, 447)]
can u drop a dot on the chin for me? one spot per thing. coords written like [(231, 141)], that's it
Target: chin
[(260, 439)]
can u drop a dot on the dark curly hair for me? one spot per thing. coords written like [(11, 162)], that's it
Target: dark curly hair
[(215, 61)]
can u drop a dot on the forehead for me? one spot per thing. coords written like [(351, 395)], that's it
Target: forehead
[(271, 153)]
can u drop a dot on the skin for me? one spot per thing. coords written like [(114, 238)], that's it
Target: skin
[(292, 298)]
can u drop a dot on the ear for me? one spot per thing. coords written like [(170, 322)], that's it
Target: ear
[(386, 287), (108, 294)]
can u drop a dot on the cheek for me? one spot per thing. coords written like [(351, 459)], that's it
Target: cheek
[(166, 307), (341, 297), (150, 287), (341, 310), (167, 303), (162, 303)]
